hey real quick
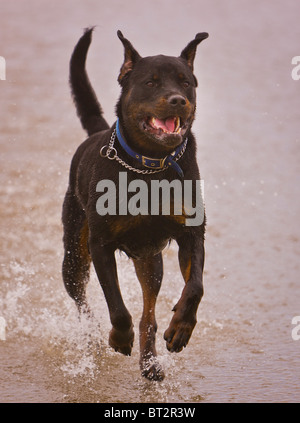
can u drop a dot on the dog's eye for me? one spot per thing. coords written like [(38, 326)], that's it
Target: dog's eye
[(186, 84), (150, 84)]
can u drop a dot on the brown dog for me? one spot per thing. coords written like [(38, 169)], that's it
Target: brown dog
[(150, 145)]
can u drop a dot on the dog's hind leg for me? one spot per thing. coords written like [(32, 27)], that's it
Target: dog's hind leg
[(149, 272), (76, 263)]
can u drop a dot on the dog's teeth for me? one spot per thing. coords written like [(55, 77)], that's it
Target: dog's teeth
[(160, 125), (177, 128), (153, 122)]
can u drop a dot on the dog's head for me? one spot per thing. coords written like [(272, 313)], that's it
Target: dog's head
[(158, 100)]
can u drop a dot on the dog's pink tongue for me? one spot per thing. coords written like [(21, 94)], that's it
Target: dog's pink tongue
[(168, 124)]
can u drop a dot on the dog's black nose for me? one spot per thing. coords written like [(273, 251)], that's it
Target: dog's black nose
[(177, 100)]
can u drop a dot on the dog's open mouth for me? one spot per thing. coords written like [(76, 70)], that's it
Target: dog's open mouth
[(172, 125)]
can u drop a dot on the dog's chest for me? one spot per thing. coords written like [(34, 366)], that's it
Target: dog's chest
[(142, 236)]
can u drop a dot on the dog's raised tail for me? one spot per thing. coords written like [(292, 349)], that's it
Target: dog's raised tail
[(88, 108)]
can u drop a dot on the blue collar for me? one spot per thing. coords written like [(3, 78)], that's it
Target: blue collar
[(151, 163)]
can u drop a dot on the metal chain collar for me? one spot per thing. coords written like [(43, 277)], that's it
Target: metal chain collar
[(114, 156)]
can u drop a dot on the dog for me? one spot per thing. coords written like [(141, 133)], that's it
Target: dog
[(151, 141)]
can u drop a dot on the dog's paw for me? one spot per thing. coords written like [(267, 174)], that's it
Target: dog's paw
[(121, 341), (178, 333), (152, 370)]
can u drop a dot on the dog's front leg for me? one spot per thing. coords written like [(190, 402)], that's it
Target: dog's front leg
[(191, 260), (149, 272), (121, 335)]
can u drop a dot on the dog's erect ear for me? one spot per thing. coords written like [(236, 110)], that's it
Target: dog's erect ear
[(190, 51), (131, 56)]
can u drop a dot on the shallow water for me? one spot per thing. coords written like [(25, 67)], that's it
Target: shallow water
[(247, 129)]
